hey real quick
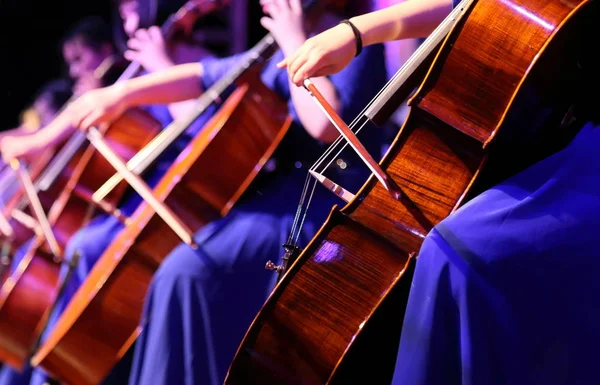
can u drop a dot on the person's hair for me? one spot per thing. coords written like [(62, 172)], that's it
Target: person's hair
[(151, 12), (147, 10), (92, 31), (57, 91)]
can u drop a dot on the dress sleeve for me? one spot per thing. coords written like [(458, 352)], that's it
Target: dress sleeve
[(214, 69), (358, 83)]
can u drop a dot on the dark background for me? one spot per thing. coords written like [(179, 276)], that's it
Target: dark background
[(30, 31)]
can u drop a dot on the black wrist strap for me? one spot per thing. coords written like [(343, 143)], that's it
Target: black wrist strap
[(357, 37)]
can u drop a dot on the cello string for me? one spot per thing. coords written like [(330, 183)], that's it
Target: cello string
[(326, 159), (68, 151), (302, 210), (362, 115), (303, 205), (337, 147), (299, 208), (314, 183), (418, 56), (337, 154), (336, 142)]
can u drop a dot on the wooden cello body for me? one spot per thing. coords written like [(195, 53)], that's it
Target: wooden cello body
[(16, 206), (103, 318), (503, 79), (83, 172), (29, 292), (48, 177), (177, 25)]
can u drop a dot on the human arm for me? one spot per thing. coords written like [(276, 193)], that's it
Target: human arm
[(104, 105), (13, 132), (19, 144), (286, 25), (18, 131), (149, 49), (332, 50)]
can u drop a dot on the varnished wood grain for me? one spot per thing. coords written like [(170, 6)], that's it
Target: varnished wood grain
[(25, 297), (103, 318), (346, 270), (22, 233), (505, 75), (21, 318)]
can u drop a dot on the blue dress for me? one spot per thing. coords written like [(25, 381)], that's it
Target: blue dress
[(91, 240), (200, 303), (506, 289)]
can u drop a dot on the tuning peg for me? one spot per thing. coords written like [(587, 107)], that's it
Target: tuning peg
[(271, 266)]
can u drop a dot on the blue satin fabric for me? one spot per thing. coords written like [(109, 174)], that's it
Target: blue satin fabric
[(506, 289), (91, 240), (200, 303)]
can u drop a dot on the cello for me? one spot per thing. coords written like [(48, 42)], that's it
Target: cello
[(30, 121), (39, 168), (491, 94), (76, 171), (30, 290), (241, 136)]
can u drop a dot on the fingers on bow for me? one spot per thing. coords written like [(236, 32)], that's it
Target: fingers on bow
[(302, 65)]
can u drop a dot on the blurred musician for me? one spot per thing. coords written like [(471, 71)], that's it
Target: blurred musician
[(89, 50), (48, 101), (201, 302)]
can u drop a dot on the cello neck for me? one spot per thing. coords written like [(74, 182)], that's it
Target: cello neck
[(403, 82), (183, 19), (261, 52), (146, 157)]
